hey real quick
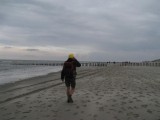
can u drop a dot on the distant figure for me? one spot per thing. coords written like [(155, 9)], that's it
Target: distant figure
[(69, 74)]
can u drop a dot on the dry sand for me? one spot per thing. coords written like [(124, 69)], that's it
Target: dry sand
[(102, 93)]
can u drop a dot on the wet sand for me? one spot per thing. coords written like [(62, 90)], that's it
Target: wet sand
[(102, 93)]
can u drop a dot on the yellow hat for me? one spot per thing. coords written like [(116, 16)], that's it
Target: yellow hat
[(71, 55)]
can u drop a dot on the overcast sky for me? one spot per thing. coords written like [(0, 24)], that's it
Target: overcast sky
[(95, 30)]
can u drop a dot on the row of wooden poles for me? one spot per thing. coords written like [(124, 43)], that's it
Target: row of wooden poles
[(97, 64), (61, 64), (157, 64)]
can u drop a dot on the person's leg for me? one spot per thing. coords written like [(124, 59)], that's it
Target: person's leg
[(72, 89), (70, 84), (73, 85), (68, 93)]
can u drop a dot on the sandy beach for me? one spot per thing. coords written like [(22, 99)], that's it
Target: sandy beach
[(102, 93)]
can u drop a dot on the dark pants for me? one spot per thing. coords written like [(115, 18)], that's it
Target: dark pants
[(70, 82)]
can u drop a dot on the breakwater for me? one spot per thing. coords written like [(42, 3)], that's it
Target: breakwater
[(50, 63), (156, 64), (101, 64)]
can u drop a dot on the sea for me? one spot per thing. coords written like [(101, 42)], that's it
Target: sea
[(11, 72)]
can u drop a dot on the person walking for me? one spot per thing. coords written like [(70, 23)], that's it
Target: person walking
[(69, 75)]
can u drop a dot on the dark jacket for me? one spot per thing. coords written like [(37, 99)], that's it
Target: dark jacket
[(75, 64)]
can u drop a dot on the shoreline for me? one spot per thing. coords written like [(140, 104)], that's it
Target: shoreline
[(29, 78), (114, 93), (26, 82)]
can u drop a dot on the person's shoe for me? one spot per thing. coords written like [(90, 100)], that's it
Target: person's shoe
[(68, 100), (71, 100)]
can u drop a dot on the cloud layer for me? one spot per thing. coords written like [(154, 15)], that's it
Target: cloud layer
[(104, 30)]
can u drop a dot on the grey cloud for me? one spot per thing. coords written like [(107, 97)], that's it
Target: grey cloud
[(104, 25), (32, 50), (8, 47)]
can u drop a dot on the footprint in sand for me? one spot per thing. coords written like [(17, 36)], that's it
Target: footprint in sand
[(120, 111), (7, 114), (113, 109), (130, 101), (2, 108), (130, 108), (124, 97), (82, 112), (49, 105), (136, 115), (27, 111), (116, 118), (39, 97), (144, 106), (114, 100), (17, 112), (99, 98), (67, 110), (84, 105), (149, 111), (97, 103), (77, 107), (113, 105), (123, 103), (75, 113), (95, 115), (101, 108), (38, 101), (23, 117), (132, 114), (87, 96), (19, 106), (13, 118)]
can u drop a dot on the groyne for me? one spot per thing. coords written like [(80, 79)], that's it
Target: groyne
[(156, 64), (100, 64)]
